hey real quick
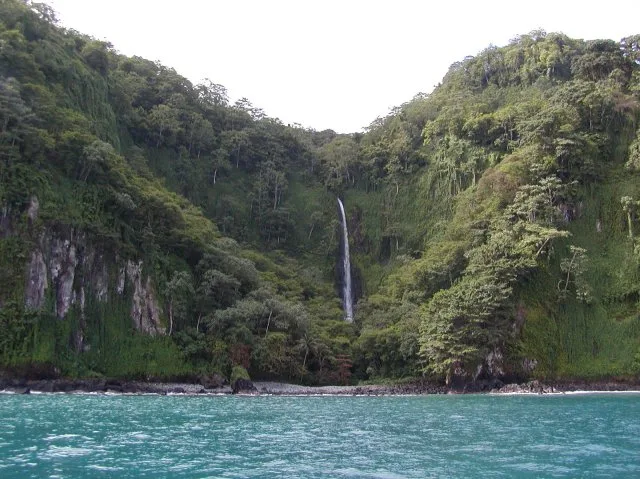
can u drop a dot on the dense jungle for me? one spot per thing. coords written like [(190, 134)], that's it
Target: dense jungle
[(151, 228)]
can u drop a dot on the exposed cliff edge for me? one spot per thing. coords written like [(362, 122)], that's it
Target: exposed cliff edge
[(65, 267)]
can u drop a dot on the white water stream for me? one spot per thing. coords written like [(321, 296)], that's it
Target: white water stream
[(347, 298)]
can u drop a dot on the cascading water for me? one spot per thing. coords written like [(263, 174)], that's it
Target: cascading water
[(347, 298)]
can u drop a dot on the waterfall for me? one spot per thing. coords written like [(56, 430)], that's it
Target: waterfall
[(347, 298)]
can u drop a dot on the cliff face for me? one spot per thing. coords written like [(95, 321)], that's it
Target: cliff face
[(64, 269), (145, 311)]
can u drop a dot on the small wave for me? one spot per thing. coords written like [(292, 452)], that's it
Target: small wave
[(434, 436), (353, 472), (55, 437), (595, 450), (537, 468), (228, 457), (519, 393), (598, 392), (66, 451), (386, 475), (98, 467), (554, 448), (561, 393)]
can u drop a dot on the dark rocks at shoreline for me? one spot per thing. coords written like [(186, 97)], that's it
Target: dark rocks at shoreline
[(537, 387), (419, 388), (531, 387), (243, 386), (212, 381), (115, 386), (482, 386), (413, 388), (600, 385), (211, 385)]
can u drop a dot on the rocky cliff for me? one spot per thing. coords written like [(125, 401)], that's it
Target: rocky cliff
[(65, 267)]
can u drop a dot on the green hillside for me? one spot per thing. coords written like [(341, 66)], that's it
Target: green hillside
[(152, 229)]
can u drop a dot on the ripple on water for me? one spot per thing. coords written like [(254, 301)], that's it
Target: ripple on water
[(64, 451), (56, 437), (98, 467), (320, 437)]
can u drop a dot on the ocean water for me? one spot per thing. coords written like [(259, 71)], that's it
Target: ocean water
[(78, 436)]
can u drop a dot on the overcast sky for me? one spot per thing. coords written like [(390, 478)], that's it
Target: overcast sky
[(331, 64)]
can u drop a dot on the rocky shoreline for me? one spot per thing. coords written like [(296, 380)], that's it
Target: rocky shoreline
[(246, 387), (242, 387)]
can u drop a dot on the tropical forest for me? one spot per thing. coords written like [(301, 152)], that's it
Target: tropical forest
[(150, 228)]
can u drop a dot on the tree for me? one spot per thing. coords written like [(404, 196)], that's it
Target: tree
[(237, 144), (307, 344), (164, 120), (538, 202), (95, 54), (99, 155), (179, 292), (316, 217), (194, 345), (212, 94), (272, 355), (600, 58), (244, 105), (279, 314), (199, 134), (344, 368), (575, 267), (15, 118), (630, 207), (633, 161), (217, 290), (339, 158), (245, 313), (458, 163), (463, 324), (219, 163)]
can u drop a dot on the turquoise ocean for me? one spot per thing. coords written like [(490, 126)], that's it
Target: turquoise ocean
[(83, 435)]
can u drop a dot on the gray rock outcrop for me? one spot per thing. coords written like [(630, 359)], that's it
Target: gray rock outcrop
[(36, 281), (68, 270), (145, 311)]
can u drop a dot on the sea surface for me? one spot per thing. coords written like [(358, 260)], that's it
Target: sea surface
[(78, 436)]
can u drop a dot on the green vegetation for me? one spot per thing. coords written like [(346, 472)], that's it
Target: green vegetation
[(493, 222)]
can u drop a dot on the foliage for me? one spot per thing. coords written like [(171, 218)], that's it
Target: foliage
[(459, 204), (238, 372)]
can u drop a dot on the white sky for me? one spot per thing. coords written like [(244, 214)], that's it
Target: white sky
[(326, 63)]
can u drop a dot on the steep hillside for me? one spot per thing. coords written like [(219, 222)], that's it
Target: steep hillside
[(519, 254), (151, 228), (109, 263)]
